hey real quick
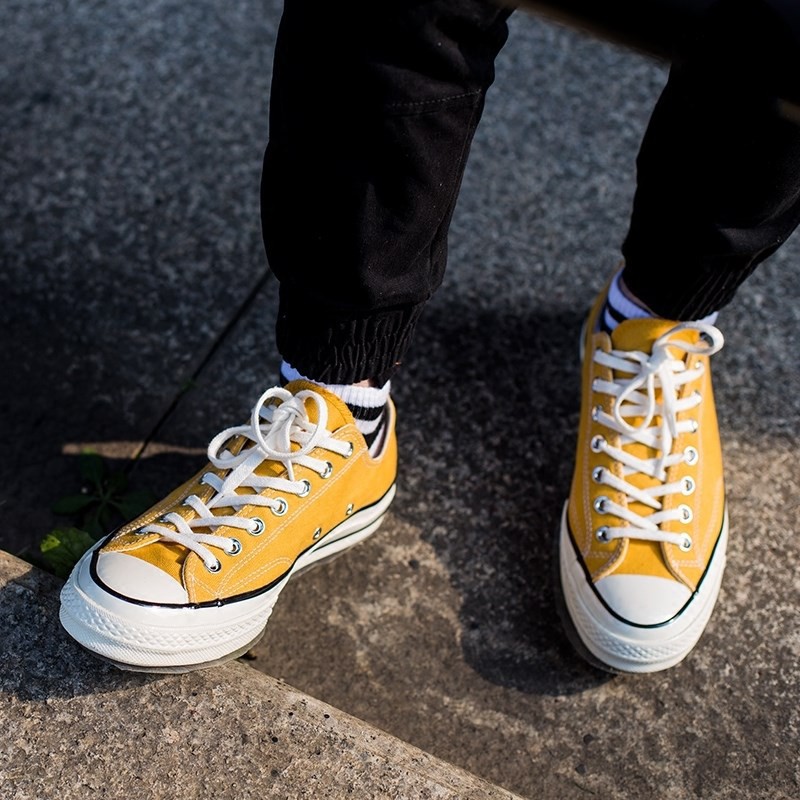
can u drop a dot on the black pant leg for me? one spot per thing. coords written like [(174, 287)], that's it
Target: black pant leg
[(373, 109), (718, 187)]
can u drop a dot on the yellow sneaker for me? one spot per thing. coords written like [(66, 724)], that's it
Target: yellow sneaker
[(643, 535), (193, 581)]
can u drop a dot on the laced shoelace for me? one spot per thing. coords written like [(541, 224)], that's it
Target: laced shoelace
[(273, 429), (646, 387)]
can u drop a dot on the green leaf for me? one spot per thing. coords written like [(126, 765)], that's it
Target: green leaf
[(134, 503), (61, 549), (92, 468), (73, 504)]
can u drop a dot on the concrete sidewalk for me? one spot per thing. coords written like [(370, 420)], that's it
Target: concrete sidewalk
[(75, 727), (136, 313)]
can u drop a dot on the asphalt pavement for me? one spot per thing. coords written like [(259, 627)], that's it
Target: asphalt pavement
[(137, 317)]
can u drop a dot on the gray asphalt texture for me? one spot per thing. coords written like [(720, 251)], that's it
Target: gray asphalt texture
[(137, 312)]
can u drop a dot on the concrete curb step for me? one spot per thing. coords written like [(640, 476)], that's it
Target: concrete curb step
[(74, 727)]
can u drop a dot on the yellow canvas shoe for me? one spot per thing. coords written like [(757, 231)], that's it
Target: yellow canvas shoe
[(643, 535), (193, 581)]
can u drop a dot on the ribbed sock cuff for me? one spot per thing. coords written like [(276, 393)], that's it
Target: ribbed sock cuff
[(619, 307), (357, 396), (367, 404)]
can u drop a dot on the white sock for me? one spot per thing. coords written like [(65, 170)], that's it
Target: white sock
[(619, 307), (367, 404)]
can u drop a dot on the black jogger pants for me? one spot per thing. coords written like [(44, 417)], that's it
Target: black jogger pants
[(373, 109)]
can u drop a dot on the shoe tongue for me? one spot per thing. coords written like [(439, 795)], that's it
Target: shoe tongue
[(338, 412), (640, 334)]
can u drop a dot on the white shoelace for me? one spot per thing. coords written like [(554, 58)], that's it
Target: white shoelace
[(638, 378), (272, 429)]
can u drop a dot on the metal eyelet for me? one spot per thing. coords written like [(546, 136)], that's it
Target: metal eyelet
[(690, 455), (236, 546), (596, 443), (695, 426), (600, 504), (597, 474), (327, 471), (349, 510), (140, 532), (282, 508), (686, 543), (317, 534), (305, 490), (596, 411), (216, 568), (258, 527), (686, 513), (350, 451), (602, 534), (688, 486)]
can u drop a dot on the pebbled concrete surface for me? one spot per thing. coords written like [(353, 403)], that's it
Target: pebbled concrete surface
[(75, 727), (441, 629)]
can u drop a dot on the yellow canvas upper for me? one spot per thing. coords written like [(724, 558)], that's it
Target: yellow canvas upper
[(629, 555), (355, 482)]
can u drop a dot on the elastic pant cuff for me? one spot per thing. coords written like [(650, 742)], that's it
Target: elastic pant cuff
[(345, 351), (678, 295)]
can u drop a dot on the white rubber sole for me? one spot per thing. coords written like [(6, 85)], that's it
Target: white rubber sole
[(153, 638), (609, 642)]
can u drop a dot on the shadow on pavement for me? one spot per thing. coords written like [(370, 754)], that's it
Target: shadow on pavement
[(488, 414)]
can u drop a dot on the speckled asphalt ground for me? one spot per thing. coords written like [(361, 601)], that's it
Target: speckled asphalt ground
[(136, 308)]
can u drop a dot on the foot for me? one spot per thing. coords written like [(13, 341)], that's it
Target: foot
[(643, 535), (193, 581)]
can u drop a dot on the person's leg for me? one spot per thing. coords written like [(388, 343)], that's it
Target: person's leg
[(643, 536), (373, 168), (373, 110), (718, 184)]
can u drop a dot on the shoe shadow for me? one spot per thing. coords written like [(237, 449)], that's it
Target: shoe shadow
[(488, 413), (490, 418)]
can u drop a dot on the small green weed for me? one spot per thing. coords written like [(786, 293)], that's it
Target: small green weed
[(105, 502)]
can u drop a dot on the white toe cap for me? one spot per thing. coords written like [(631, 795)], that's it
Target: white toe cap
[(139, 580), (643, 599)]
